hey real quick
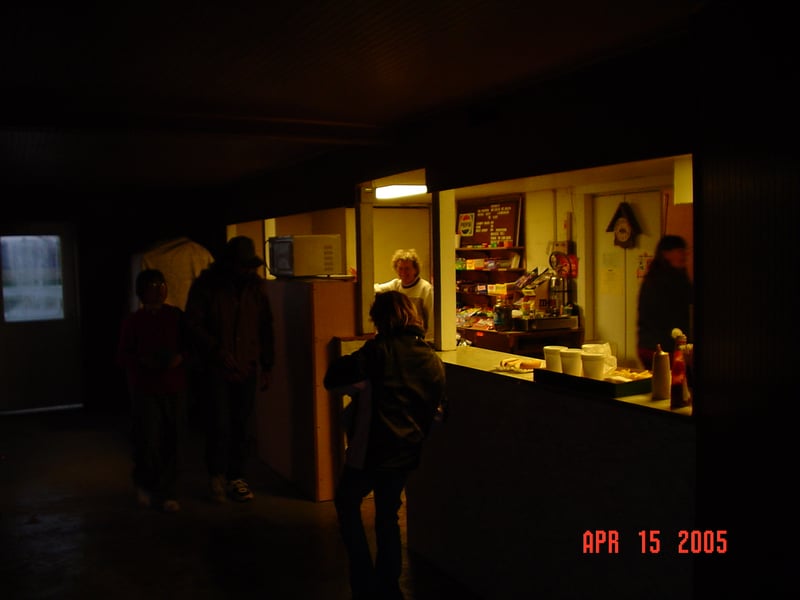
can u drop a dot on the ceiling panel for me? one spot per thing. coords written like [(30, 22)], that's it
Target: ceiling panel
[(193, 93)]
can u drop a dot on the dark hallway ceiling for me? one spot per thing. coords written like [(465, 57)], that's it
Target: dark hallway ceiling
[(198, 93)]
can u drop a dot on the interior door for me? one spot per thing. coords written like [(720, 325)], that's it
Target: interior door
[(618, 271), (40, 365), (401, 227)]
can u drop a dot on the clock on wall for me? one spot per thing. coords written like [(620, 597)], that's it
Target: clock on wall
[(624, 226), (622, 232)]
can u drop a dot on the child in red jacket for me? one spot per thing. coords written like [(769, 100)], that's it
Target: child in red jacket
[(152, 349)]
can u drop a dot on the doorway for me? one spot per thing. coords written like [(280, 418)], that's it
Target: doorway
[(40, 366), (401, 227), (618, 270)]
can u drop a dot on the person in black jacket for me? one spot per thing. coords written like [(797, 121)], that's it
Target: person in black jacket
[(665, 299), (397, 382), (230, 320)]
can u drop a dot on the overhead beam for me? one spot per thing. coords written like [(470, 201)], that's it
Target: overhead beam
[(296, 130)]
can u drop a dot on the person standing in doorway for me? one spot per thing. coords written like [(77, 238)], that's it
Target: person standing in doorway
[(397, 382), (665, 299), (408, 281), (152, 347), (230, 321)]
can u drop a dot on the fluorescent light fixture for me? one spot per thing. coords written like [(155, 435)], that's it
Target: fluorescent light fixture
[(399, 191)]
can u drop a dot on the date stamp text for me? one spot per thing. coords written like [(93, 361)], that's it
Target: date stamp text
[(654, 541)]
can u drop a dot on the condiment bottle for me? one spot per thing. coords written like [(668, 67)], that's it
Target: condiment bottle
[(679, 390), (662, 376)]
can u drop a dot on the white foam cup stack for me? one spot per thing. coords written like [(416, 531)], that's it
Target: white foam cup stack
[(552, 358), (593, 365), (571, 363)]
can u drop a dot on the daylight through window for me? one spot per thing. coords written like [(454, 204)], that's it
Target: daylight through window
[(32, 281)]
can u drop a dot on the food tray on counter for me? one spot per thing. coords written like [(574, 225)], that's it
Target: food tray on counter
[(598, 387)]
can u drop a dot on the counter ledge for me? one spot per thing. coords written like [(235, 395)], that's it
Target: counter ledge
[(489, 360)]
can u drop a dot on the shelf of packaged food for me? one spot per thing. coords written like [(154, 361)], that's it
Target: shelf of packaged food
[(490, 259), (490, 270), (480, 291), (480, 269), (465, 249), (506, 276), (477, 297)]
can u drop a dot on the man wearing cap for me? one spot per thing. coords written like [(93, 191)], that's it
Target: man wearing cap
[(230, 321)]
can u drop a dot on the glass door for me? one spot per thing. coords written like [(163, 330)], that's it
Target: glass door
[(39, 326)]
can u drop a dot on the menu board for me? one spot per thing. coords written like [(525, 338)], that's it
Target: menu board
[(490, 222)]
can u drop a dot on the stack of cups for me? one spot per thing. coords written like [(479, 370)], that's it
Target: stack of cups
[(594, 365), (552, 358), (571, 361)]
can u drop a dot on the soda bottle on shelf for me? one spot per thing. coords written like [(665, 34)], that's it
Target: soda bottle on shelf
[(503, 319)]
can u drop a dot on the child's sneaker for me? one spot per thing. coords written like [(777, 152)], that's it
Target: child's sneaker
[(239, 490), (217, 487)]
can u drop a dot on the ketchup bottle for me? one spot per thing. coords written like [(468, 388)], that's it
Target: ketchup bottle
[(679, 390)]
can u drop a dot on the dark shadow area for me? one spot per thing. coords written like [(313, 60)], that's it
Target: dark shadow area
[(71, 527)]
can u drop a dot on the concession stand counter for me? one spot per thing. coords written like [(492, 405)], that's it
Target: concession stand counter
[(528, 487)]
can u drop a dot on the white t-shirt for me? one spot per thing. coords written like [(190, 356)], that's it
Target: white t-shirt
[(421, 293)]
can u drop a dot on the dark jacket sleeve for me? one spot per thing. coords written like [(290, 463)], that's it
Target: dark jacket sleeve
[(349, 369)]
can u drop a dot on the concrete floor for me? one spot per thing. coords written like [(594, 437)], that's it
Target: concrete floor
[(71, 527)]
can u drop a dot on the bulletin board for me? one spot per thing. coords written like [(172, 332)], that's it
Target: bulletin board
[(489, 221)]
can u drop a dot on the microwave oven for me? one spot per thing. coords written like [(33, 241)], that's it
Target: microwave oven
[(305, 255)]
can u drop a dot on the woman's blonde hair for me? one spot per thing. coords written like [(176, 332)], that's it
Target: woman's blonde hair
[(410, 255), (393, 311)]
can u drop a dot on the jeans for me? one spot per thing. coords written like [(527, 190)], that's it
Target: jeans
[(157, 433), (230, 405), (380, 579)]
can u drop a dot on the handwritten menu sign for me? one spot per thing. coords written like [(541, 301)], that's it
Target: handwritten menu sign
[(494, 222)]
